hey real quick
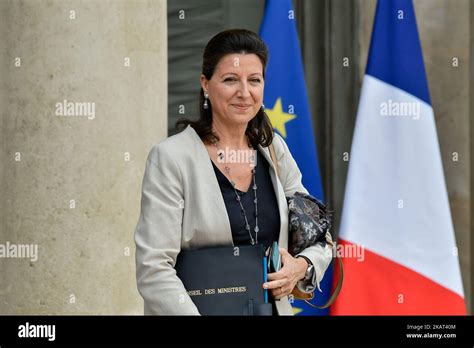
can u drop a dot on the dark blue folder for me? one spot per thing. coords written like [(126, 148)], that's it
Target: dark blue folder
[(225, 280)]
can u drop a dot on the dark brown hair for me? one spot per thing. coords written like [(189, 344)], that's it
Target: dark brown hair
[(259, 129)]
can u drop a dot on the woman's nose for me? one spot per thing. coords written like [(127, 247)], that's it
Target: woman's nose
[(243, 90)]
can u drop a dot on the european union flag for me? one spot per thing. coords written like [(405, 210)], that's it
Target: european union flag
[(286, 104)]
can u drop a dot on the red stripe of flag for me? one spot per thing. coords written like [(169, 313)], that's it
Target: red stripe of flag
[(379, 286)]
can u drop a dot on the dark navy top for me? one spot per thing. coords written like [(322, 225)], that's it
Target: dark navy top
[(268, 213)]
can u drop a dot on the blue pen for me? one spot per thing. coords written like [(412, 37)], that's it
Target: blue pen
[(265, 291)]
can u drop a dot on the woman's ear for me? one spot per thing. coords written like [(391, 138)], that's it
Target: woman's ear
[(204, 83)]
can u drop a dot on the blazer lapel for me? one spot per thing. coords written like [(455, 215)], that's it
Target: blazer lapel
[(280, 194), (214, 199)]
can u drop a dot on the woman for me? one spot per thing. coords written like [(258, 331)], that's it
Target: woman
[(196, 194)]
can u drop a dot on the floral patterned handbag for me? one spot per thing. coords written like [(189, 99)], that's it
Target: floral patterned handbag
[(308, 224)]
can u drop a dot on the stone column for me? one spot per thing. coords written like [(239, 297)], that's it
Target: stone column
[(83, 99)]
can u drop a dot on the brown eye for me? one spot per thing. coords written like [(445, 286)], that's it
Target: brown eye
[(229, 79)]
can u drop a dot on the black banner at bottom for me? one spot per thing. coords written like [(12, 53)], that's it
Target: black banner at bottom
[(173, 330)]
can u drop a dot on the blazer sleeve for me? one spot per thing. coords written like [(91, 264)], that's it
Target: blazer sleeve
[(158, 238), (319, 256)]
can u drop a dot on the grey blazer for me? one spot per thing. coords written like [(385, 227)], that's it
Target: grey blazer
[(182, 208)]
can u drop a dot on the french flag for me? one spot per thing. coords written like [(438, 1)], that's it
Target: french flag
[(397, 237)]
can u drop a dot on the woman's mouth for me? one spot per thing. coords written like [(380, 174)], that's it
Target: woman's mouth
[(242, 107)]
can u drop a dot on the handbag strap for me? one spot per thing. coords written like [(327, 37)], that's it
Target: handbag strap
[(273, 157), (340, 279), (337, 290)]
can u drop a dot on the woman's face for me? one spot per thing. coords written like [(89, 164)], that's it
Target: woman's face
[(236, 88)]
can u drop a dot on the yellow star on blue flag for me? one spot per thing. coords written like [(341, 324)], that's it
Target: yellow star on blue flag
[(278, 117)]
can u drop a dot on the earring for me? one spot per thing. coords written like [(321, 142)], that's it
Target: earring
[(263, 106), (205, 105)]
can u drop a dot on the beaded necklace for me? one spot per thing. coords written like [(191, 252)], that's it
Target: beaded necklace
[(220, 155)]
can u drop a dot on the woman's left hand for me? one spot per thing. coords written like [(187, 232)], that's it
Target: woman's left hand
[(281, 283)]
